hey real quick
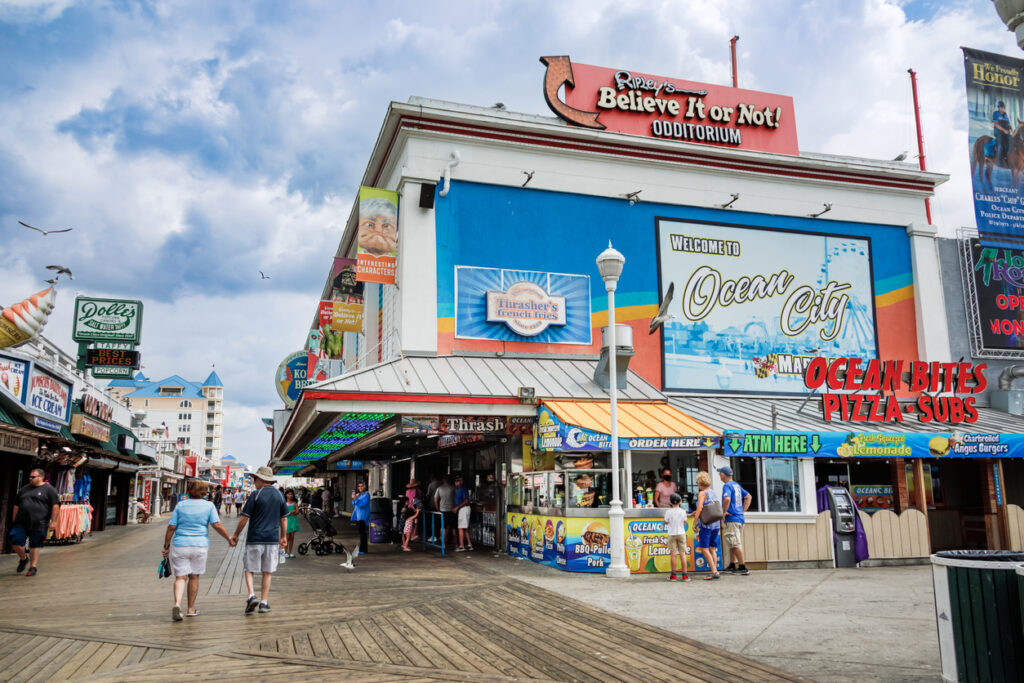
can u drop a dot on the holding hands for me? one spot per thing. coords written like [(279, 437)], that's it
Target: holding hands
[(233, 541)]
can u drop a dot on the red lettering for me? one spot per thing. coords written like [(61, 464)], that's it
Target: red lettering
[(814, 376), (963, 373), (833, 373), (970, 412), (956, 410), (892, 410), (873, 401), (856, 415), (994, 324), (893, 375), (1002, 302), (924, 409), (940, 409), (872, 380), (918, 375), (829, 404), (979, 377), (853, 374)]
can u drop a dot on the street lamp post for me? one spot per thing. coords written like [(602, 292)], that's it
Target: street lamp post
[(609, 264)]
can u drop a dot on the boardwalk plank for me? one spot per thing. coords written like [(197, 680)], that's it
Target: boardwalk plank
[(115, 659), (30, 669), (57, 662), (73, 664)]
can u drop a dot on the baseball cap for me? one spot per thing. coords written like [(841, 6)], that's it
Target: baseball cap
[(1000, 103), (727, 471)]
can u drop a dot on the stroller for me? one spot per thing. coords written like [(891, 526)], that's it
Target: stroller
[(323, 543)]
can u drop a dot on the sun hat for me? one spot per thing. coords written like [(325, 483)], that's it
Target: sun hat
[(266, 474)]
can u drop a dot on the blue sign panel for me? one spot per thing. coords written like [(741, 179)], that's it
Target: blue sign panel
[(349, 465), (872, 444), (555, 435), (522, 305)]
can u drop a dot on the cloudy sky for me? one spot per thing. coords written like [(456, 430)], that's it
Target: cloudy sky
[(191, 144)]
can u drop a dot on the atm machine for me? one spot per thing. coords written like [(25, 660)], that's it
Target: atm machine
[(844, 526)]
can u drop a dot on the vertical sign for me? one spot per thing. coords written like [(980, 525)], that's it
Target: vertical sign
[(377, 251), (995, 137)]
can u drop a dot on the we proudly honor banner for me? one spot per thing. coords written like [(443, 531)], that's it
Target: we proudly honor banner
[(995, 106), (377, 251)]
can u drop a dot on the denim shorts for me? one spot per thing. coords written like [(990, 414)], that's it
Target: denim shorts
[(35, 539), (708, 538)]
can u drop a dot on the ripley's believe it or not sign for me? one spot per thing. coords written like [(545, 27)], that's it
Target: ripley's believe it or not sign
[(998, 276), (622, 101), (757, 305)]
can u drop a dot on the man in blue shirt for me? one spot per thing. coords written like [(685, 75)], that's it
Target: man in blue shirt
[(462, 510), (735, 501), (268, 514)]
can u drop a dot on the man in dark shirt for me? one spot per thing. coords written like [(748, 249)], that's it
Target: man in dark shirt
[(267, 515), (34, 513)]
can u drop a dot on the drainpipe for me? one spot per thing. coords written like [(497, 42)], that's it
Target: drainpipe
[(456, 158), (1009, 374)]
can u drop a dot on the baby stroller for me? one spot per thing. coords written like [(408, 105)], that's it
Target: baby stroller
[(323, 543)]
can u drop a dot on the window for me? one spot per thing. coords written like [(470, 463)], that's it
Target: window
[(209, 452), (182, 429), (185, 404), (209, 441), (773, 483), (211, 405), (170, 391)]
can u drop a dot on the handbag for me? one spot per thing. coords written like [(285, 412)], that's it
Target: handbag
[(164, 568), (711, 513)]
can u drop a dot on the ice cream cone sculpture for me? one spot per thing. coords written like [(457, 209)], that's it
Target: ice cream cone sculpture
[(26, 319)]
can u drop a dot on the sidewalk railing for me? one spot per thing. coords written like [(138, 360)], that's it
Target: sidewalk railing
[(433, 531)]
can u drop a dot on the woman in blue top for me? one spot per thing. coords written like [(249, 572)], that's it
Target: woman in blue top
[(186, 543), (361, 513), (707, 534)]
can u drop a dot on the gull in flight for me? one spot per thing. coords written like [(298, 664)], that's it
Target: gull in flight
[(61, 270), (264, 277), (45, 232), (663, 315)]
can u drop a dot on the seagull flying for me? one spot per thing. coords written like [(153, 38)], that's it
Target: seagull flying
[(529, 177), (51, 282), (45, 232), (663, 315), (264, 277), (62, 270)]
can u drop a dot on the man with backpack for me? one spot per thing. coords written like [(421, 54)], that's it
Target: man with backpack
[(709, 521)]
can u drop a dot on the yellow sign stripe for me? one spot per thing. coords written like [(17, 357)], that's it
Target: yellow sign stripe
[(895, 296)]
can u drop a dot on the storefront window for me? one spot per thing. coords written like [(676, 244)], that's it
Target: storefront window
[(782, 481), (773, 483), (589, 489)]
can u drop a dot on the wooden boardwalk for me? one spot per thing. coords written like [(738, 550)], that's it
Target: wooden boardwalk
[(97, 612)]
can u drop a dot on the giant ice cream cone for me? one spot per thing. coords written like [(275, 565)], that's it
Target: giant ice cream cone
[(26, 319)]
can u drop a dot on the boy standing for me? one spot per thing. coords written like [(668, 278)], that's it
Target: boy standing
[(675, 524)]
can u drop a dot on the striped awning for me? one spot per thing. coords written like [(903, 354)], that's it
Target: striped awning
[(637, 419)]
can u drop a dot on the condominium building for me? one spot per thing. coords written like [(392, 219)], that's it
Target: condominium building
[(189, 413)]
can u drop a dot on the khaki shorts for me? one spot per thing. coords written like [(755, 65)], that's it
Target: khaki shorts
[(261, 557), (732, 533), (677, 544)]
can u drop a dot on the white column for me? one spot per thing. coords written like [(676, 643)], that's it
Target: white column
[(417, 270), (929, 306), (627, 467)]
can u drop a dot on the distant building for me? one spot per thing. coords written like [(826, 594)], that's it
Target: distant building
[(190, 413)]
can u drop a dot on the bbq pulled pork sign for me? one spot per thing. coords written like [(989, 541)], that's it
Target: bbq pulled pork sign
[(626, 101)]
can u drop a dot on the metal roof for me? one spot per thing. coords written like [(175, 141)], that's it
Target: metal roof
[(744, 413), (485, 377)]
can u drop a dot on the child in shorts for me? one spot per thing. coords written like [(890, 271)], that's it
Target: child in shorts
[(675, 525), (412, 515)]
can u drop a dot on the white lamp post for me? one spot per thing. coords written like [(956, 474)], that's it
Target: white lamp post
[(609, 264)]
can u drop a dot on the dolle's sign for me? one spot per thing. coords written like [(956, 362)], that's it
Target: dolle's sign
[(641, 104), (858, 375), (107, 320)]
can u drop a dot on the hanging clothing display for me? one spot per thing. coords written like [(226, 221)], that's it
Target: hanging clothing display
[(73, 521)]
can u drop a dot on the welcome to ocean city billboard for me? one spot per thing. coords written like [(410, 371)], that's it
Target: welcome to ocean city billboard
[(753, 306)]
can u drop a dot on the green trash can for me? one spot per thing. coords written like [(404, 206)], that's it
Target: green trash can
[(978, 613)]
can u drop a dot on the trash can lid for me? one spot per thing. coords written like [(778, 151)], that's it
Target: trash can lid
[(979, 559)]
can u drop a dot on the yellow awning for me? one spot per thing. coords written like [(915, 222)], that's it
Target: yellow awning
[(636, 420)]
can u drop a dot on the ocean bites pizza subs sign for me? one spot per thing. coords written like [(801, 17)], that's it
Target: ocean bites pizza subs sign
[(623, 101)]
